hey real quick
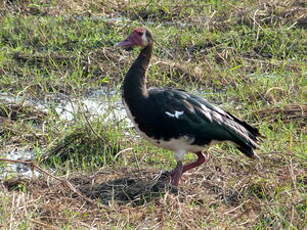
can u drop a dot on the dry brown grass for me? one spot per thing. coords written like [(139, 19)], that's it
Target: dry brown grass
[(287, 113), (240, 196), (274, 12), (227, 193)]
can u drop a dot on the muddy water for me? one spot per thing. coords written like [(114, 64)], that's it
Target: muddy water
[(103, 103), (98, 103), (20, 169)]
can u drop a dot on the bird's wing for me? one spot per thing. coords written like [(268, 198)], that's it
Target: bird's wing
[(186, 114)]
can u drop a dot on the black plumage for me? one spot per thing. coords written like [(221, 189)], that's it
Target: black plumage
[(200, 120), (175, 119)]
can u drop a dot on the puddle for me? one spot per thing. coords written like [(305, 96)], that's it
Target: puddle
[(102, 103), (97, 104), (110, 108), (17, 168)]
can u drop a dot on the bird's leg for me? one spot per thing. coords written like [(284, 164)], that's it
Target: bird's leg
[(201, 159), (176, 173)]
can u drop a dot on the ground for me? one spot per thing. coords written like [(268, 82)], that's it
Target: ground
[(248, 57)]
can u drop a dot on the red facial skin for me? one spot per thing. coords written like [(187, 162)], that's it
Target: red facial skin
[(134, 39)]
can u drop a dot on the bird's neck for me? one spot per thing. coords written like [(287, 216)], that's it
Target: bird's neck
[(134, 87)]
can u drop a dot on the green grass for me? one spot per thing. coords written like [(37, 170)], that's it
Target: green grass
[(249, 57)]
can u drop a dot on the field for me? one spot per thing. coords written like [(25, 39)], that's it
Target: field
[(62, 122)]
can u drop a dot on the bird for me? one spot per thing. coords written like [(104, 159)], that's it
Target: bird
[(176, 120)]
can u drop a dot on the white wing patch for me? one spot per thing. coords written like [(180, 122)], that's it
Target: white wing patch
[(177, 114)]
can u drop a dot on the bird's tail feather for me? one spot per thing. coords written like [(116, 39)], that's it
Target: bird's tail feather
[(250, 142)]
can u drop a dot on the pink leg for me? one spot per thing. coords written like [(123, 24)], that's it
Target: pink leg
[(201, 159), (176, 174)]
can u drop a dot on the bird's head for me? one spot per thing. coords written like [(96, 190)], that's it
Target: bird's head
[(139, 37)]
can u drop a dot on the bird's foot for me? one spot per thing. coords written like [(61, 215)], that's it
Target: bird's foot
[(172, 177), (163, 183)]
